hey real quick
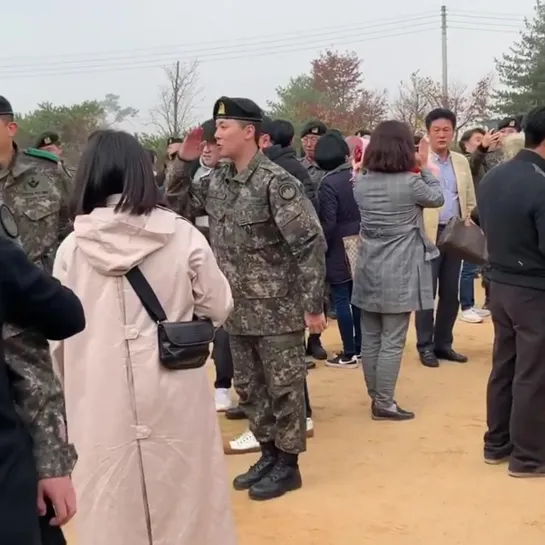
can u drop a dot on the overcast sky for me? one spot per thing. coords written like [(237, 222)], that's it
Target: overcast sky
[(65, 52)]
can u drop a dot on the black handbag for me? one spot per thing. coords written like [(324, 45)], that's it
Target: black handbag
[(464, 239), (182, 345)]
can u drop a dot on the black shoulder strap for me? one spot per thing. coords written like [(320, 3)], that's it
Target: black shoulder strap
[(146, 295)]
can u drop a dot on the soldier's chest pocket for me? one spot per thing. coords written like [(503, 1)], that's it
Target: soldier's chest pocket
[(42, 213), (216, 205), (255, 228)]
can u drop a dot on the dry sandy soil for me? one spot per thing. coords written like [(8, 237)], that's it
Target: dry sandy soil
[(408, 483)]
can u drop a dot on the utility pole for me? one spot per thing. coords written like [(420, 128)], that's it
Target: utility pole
[(444, 54)]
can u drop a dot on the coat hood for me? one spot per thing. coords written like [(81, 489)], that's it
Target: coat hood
[(114, 243), (275, 152)]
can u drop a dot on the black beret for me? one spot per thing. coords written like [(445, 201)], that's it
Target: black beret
[(314, 127), (47, 139), (510, 122), (174, 140), (241, 109), (5, 106), (209, 131), (267, 126)]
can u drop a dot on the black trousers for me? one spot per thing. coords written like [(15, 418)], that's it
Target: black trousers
[(437, 334), (516, 388), (223, 360)]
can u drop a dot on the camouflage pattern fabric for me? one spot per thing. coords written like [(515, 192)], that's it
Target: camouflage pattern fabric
[(36, 188), (269, 377), (267, 239), (315, 172)]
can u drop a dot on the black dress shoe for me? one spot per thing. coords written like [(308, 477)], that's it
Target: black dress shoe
[(450, 355), (428, 359), (283, 478), (311, 364), (235, 413), (398, 414), (257, 472), (315, 348)]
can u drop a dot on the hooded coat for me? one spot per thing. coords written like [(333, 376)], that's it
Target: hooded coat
[(151, 468)]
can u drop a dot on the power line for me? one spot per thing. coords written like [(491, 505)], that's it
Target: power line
[(222, 44), (250, 53), (486, 15), (473, 29)]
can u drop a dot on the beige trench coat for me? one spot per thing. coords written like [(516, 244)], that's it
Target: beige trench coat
[(151, 467)]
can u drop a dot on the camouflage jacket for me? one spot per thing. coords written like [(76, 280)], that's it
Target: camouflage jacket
[(267, 239), (481, 161), (36, 188), (315, 172)]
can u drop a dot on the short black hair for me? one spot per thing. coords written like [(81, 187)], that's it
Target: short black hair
[(440, 113), (534, 128), (7, 118), (114, 162), (363, 132), (282, 132), (256, 125), (331, 151), (391, 148)]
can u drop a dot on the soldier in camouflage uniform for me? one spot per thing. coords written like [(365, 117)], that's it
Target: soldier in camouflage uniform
[(268, 242), (36, 187), (309, 137)]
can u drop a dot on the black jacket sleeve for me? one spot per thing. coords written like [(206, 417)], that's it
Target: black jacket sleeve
[(33, 299)]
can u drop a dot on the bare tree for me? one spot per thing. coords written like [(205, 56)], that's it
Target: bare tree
[(176, 109), (421, 94)]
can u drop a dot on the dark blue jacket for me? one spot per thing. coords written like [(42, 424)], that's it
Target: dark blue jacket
[(340, 217)]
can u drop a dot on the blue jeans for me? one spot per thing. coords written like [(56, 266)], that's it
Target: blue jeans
[(467, 285), (348, 318)]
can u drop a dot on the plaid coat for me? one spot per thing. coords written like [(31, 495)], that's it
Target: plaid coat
[(393, 269)]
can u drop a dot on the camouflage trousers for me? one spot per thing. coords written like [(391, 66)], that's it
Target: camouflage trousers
[(269, 377)]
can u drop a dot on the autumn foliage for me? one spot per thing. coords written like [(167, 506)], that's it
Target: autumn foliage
[(333, 92)]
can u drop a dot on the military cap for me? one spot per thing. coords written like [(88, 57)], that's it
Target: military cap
[(241, 109), (267, 126), (316, 128), (47, 139), (174, 140), (209, 131), (510, 123), (5, 106)]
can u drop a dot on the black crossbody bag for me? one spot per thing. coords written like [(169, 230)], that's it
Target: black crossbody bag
[(182, 345)]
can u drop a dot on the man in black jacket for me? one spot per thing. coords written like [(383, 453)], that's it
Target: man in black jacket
[(511, 202), (275, 143), (29, 298)]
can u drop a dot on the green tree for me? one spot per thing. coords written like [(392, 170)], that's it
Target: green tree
[(73, 123), (155, 142), (522, 71)]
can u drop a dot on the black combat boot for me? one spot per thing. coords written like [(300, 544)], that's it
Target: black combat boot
[(269, 457), (284, 477), (315, 348), (235, 413)]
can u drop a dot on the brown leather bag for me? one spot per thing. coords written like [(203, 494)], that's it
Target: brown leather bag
[(464, 239)]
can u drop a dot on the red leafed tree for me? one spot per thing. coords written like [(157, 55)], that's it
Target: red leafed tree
[(346, 104)]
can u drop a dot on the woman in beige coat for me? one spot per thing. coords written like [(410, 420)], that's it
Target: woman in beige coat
[(151, 468)]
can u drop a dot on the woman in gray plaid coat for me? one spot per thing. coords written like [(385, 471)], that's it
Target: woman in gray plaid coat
[(393, 271)]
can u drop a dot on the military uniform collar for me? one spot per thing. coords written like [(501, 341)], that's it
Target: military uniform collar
[(17, 167), (245, 175)]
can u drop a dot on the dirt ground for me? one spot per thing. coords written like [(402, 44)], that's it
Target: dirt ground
[(421, 482)]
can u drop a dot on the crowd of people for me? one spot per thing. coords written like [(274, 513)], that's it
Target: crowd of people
[(130, 269)]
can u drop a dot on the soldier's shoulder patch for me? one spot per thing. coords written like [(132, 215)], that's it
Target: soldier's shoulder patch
[(40, 154), (287, 191)]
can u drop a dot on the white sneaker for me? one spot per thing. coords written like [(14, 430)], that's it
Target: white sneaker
[(243, 444), (223, 400), (470, 316), (483, 312), (247, 442), (310, 427)]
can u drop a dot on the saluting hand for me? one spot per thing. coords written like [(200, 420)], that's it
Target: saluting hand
[(423, 153), (315, 323), (190, 148)]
